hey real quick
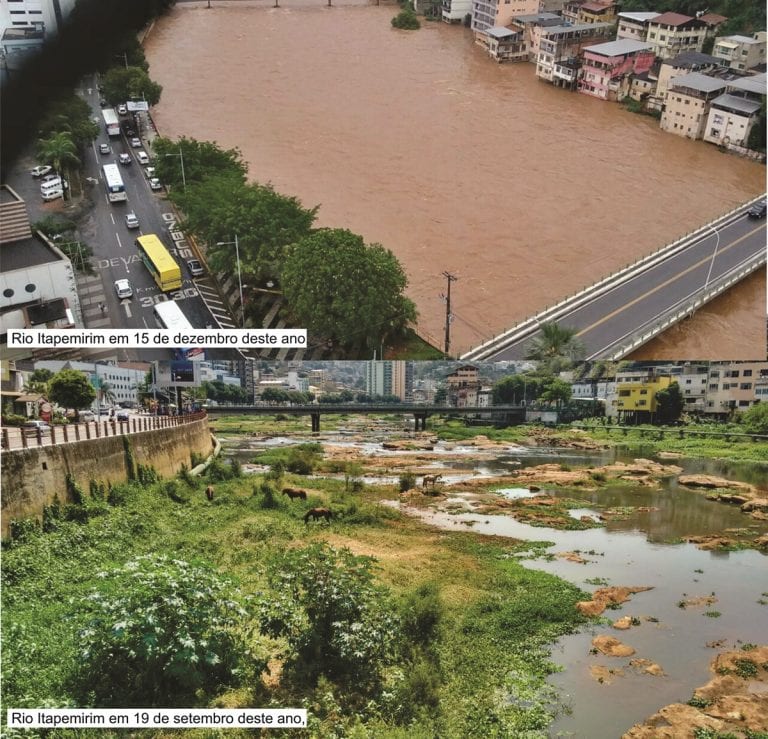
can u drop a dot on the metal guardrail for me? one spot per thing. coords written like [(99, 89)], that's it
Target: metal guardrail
[(681, 432), (682, 309), (530, 325), (16, 438)]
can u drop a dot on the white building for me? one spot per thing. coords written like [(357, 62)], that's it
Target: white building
[(634, 25), (454, 11), (732, 115), (741, 52), (50, 13)]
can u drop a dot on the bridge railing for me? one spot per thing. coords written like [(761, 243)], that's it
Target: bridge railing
[(20, 438), (531, 324), (684, 307), (659, 433)]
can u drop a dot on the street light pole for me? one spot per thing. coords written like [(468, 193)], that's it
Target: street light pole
[(181, 159), (714, 254), (239, 275)]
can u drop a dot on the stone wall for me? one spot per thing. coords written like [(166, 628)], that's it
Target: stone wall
[(32, 477)]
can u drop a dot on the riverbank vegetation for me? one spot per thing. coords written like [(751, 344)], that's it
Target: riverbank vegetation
[(378, 625)]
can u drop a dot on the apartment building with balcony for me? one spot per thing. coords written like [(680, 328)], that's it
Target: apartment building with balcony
[(687, 102), (634, 26), (597, 12), (733, 114), (635, 401), (735, 386), (608, 68), (505, 45), (529, 28), (489, 13), (564, 43), (669, 34), (740, 52), (454, 11), (684, 63)]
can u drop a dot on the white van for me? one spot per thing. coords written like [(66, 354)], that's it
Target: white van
[(53, 188)]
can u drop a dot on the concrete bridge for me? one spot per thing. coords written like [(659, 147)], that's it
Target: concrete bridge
[(509, 413)]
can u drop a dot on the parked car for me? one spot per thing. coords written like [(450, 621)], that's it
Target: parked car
[(155, 184), (195, 268), (758, 209), (123, 288), (40, 170), (142, 157), (122, 109), (30, 428), (125, 158), (149, 172), (87, 416), (122, 415), (136, 142), (131, 220)]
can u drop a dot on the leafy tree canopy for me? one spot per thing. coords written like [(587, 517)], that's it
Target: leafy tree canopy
[(71, 389), (222, 392), (59, 150), (202, 159), (557, 391), (755, 420), (669, 404), (128, 83), (264, 221), (69, 114), (406, 19), (345, 291)]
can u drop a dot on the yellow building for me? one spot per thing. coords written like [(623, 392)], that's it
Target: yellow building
[(640, 397)]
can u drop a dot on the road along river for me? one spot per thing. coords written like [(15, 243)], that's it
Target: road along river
[(418, 141)]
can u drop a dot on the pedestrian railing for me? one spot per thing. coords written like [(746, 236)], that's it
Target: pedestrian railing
[(20, 438)]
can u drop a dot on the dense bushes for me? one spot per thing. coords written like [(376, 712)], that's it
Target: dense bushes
[(161, 630)]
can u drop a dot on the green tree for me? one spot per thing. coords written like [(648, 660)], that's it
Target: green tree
[(129, 83), (756, 138), (161, 631), (669, 404), (71, 389), (556, 347), (337, 621), (755, 420), (202, 160), (264, 221), (38, 381), (557, 391), (406, 19), (69, 114), (60, 150), (347, 292)]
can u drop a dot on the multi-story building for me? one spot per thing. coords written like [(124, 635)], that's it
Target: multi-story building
[(636, 401), (688, 61), (733, 114), (634, 25), (687, 104), (51, 14), (669, 34), (463, 386), (741, 52), (489, 13), (505, 45), (37, 281), (565, 42), (531, 28), (389, 377), (735, 386), (454, 11), (597, 12), (607, 68)]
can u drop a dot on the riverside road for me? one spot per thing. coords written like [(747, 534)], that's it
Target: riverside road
[(638, 301)]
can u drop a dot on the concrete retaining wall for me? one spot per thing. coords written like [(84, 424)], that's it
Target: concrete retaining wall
[(32, 477)]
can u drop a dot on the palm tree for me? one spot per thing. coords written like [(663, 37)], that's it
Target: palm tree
[(60, 150), (106, 394), (556, 347)]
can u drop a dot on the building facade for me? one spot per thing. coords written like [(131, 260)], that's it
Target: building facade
[(607, 68), (733, 114), (565, 42), (740, 52), (687, 104), (669, 34)]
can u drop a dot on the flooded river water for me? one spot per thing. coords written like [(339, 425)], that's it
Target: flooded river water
[(639, 549), (418, 141)]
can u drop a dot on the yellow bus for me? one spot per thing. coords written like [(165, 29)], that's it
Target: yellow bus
[(159, 262)]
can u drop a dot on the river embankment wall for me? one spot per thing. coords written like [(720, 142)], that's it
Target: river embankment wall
[(32, 477)]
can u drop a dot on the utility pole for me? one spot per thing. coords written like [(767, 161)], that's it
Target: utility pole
[(448, 316)]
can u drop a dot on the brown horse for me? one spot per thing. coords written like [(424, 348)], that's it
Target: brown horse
[(315, 513), (430, 480), (209, 492), (293, 493)]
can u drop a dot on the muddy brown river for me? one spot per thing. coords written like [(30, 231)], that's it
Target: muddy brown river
[(419, 142)]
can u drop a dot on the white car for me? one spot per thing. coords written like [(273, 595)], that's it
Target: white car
[(136, 142), (131, 221), (155, 184), (149, 172), (105, 148), (123, 289), (41, 170), (125, 158), (142, 157), (122, 109)]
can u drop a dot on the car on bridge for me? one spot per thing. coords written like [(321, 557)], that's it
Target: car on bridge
[(758, 209)]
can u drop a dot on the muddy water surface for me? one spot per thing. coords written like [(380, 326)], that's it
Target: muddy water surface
[(420, 142)]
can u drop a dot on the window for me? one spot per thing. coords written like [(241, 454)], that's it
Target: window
[(747, 373), (715, 132), (643, 392), (687, 382), (642, 402), (624, 393), (745, 386), (713, 386), (743, 403)]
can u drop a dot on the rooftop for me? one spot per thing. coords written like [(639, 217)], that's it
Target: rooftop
[(618, 47), (674, 19), (712, 19), (639, 17), (566, 27), (596, 7), (538, 18), (688, 59), (27, 253), (24, 33), (756, 83), (737, 104), (698, 81), (738, 39), (500, 32)]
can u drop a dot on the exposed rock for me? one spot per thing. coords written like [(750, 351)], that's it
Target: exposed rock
[(669, 455), (612, 647), (572, 557), (623, 623), (762, 542), (645, 665), (605, 675), (710, 481), (710, 542), (756, 504), (602, 597), (733, 703), (700, 600)]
